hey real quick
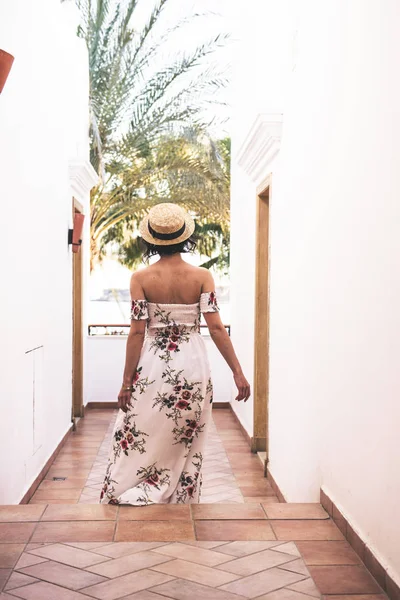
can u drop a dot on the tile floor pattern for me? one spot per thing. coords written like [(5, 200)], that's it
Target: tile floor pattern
[(231, 473), (219, 483), (155, 571), (63, 546), (293, 552)]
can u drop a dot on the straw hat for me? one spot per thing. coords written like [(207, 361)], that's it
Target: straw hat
[(166, 224)]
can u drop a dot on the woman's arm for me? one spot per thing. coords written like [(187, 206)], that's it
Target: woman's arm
[(221, 339), (133, 348)]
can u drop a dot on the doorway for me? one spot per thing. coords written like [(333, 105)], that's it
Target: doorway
[(261, 330), (77, 327)]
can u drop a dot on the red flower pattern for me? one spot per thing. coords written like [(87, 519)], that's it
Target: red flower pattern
[(153, 479), (182, 404)]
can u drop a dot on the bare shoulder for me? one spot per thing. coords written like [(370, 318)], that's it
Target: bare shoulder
[(136, 284), (141, 274), (205, 272), (207, 280), (136, 276)]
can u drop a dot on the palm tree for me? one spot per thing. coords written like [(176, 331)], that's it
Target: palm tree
[(148, 135), (190, 172)]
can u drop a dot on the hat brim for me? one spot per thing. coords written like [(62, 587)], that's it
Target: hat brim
[(146, 235)]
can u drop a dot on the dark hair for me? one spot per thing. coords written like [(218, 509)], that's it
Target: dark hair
[(149, 250)]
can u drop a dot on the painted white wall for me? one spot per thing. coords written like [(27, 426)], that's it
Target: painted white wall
[(104, 364), (259, 86), (43, 125), (242, 273), (335, 285)]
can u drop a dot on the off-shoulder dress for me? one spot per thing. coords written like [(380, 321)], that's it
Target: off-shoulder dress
[(158, 445)]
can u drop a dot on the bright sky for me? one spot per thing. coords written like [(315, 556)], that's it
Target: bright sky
[(218, 17)]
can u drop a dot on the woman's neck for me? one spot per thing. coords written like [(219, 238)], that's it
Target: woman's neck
[(171, 258)]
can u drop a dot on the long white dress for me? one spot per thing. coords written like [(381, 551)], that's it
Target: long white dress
[(158, 444)]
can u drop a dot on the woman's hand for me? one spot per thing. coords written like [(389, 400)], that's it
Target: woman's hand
[(242, 385), (124, 399)]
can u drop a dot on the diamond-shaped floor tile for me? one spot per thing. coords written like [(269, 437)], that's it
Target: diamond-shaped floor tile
[(248, 565), (64, 575), (180, 589), (18, 580), (46, 591), (128, 564), (262, 582), (127, 584), (197, 573), (68, 555), (198, 555)]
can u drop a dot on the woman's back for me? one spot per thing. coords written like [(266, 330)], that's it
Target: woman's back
[(172, 281)]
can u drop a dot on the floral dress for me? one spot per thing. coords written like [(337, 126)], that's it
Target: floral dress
[(158, 444)]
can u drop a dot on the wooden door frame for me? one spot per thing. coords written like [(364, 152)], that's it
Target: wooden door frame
[(261, 321), (77, 325)]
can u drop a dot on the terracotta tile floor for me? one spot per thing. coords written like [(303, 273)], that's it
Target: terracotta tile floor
[(271, 569), (232, 546), (231, 474)]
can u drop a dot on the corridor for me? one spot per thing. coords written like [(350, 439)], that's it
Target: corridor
[(239, 543), (231, 473)]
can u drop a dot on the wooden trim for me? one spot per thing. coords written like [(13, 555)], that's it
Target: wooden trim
[(261, 322), (263, 189), (77, 358), (38, 480), (371, 562), (275, 486)]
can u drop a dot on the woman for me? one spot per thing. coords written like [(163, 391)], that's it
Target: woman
[(166, 395)]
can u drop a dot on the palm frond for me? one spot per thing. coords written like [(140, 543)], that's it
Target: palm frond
[(148, 127)]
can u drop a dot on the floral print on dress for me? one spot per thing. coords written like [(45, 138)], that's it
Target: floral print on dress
[(107, 491), (209, 390), (189, 481), (139, 310), (157, 448), (208, 302), (188, 432), (128, 437), (185, 396), (152, 477), (168, 338)]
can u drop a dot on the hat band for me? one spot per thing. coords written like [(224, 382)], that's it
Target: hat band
[(166, 236)]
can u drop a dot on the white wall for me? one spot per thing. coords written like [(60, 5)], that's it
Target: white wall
[(43, 124), (335, 282), (104, 365), (242, 272), (263, 61)]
